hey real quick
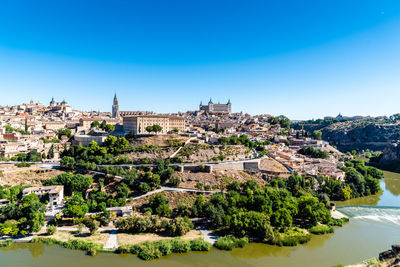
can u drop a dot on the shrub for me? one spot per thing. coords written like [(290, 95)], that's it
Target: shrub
[(139, 224), (338, 222), (321, 229), (199, 186), (93, 225), (79, 229), (291, 237), (199, 244), (180, 246), (51, 230), (6, 243), (179, 226), (174, 181), (230, 242), (149, 251), (23, 164), (184, 209), (88, 246), (164, 246), (144, 188)]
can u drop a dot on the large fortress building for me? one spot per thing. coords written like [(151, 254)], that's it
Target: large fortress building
[(216, 108)]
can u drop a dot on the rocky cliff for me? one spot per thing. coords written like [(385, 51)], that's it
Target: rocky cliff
[(347, 136), (390, 158)]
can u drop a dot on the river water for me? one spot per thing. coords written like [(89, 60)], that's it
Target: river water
[(371, 230)]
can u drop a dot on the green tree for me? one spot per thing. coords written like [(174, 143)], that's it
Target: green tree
[(95, 124), (159, 204), (251, 223), (179, 226), (109, 128), (317, 135), (67, 163), (157, 128), (311, 211), (66, 132), (50, 154), (75, 207), (149, 129)]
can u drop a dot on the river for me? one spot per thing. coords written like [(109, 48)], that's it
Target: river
[(370, 230)]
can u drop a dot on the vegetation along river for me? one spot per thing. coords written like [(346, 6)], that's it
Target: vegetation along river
[(373, 227)]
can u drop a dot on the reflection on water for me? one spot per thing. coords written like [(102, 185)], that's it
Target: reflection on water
[(388, 197), (392, 181), (258, 250)]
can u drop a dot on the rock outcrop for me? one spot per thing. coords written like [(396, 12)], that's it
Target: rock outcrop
[(357, 135)]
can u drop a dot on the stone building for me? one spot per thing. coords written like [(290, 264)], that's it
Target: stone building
[(137, 124), (115, 108), (216, 108), (117, 114), (55, 193)]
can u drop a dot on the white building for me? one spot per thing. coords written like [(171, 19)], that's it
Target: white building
[(55, 192)]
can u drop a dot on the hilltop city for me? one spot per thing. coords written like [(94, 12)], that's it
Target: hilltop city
[(208, 176)]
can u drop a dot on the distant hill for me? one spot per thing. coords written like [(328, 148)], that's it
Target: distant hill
[(358, 135)]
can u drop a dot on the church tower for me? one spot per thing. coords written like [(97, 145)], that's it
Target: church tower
[(115, 107)]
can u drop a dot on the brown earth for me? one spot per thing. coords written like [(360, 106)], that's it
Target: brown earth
[(159, 140), (98, 238), (269, 164), (174, 197), (216, 179), (152, 155), (205, 153), (28, 176)]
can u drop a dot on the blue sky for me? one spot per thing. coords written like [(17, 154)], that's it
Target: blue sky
[(305, 59)]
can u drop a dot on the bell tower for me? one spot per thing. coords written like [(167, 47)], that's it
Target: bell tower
[(115, 107)]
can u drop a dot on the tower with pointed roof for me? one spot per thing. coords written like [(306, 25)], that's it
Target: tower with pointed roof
[(115, 107), (229, 106)]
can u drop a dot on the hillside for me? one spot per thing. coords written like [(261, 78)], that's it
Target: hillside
[(347, 136)]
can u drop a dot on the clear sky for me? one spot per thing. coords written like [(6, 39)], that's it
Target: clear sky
[(305, 59)]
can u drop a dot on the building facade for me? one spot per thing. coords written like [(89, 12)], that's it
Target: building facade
[(55, 193), (216, 108), (137, 124)]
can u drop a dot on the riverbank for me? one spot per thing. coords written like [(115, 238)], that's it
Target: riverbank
[(149, 246), (386, 258), (348, 245)]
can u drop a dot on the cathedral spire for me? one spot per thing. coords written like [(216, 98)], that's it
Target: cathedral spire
[(115, 107)]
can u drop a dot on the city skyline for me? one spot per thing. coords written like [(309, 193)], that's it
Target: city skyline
[(268, 58)]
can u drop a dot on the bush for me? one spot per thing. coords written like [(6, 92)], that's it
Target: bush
[(23, 164), (144, 188), (51, 230), (291, 237), (6, 243), (179, 226), (230, 242), (199, 244), (174, 181), (149, 251), (199, 186), (93, 225), (338, 222), (79, 229), (164, 246), (139, 224), (154, 250), (80, 244), (321, 229), (180, 246)]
